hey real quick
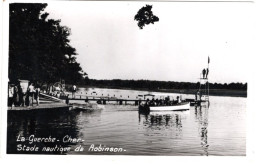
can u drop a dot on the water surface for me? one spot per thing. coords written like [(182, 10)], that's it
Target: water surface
[(217, 130)]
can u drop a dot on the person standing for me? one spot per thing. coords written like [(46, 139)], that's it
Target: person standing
[(74, 89), (16, 96), (178, 100), (10, 96), (203, 73), (20, 92), (37, 95), (31, 93), (207, 72), (198, 96), (23, 95)]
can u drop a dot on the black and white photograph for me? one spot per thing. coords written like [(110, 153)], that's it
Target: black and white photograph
[(128, 78)]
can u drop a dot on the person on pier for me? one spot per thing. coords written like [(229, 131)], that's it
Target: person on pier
[(20, 92), (37, 95), (203, 73), (167, 100), (198, 96), (74, 89), (157, 101), (31, 93), (160, 102), (173, 101), (10, 95), (23, 91), (16, 96), (152, 102), (178, 99), (147, 102)]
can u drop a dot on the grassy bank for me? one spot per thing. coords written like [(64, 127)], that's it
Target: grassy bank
[(212, 92)]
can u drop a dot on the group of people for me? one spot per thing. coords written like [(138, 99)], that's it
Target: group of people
[(161, 102), (205, 73), (20, 96)]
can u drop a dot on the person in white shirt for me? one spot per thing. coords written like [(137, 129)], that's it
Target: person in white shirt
[(74, 89), (10, 95), (31, 93)]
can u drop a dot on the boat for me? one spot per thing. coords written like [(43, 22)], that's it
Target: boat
[(166, 105), (183, 106), (86, 106), (49, 98)]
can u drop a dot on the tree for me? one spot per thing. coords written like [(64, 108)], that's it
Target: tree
[(39, 48), (145, 16)]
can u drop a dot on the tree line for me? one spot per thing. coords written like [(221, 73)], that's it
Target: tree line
[(154, 85), (39, 48)]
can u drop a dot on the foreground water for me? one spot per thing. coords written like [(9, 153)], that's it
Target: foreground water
[(217, 130)]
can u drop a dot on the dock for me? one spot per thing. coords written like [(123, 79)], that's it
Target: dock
[(52, 103), (41, 106), (106, 99)]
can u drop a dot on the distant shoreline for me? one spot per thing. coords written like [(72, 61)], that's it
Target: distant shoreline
[(212, 92)]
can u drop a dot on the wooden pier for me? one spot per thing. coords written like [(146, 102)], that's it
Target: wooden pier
[(48, 106), (53, 103), (106, 99)]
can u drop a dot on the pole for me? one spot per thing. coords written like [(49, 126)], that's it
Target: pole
[(208, 77)]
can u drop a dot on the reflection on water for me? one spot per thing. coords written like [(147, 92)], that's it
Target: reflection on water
[(162, 122), (202, 119), (218, 130), (41, 124)]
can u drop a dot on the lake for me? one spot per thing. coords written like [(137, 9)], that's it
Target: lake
[(219, 129)]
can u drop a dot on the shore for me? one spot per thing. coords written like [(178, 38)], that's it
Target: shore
[(212, 92)]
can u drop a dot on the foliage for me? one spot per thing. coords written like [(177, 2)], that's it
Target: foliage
[(159, 85), (145, 16), (39, 48)]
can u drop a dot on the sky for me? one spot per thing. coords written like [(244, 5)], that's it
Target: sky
[(110, 45)]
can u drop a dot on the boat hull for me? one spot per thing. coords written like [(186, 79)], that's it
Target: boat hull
[(177, 107), (86, 106)]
